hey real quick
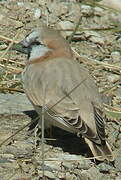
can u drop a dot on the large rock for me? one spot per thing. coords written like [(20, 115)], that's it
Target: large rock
[(14, 103)]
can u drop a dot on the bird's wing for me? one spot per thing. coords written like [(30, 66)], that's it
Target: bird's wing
[(71, 115)]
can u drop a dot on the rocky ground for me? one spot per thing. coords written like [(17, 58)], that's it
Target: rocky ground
[(97, 45)]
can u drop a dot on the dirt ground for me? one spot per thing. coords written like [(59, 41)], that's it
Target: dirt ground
[(98, 43)]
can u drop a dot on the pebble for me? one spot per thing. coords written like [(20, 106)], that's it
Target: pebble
[(67, 165), (91, 174), (74, 12), (47, 174), (116, 56), (86, 10), (58, 9), (2, 71), (105, 168), (61, 175), (65, 25), (3, 46), (112, 78), (55, 165), (17, 24), (37, 13), (94, 37), (98, 11), (85, 164), (20, 4), (70, 176)]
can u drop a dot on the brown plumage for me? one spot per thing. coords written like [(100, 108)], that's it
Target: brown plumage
[(52, 74)]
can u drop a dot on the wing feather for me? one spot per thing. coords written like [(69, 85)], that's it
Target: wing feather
[(100, 123), (77, 123)]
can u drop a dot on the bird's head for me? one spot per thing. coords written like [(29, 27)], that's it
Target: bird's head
[(45, 43)]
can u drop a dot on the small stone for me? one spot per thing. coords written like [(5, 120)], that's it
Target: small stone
[(2, 71), (85, 164), (48, 174), (3, 46), (70, 176), (18, 24), (105, 168), (91, 174), (52, 166), (52, 18), (64, 8), (58, 8), (94, 37), (118, 93), (67, 165), (116, 56), (42, 2), (74, 12), (113, 78), (20, 4), (86, 10), (37, 13), (61, 175), (65, 25), (98, 11)]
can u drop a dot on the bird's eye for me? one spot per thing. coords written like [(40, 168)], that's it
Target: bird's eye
[(35, 43)]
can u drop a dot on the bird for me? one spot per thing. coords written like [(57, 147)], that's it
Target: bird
[(54, 80)]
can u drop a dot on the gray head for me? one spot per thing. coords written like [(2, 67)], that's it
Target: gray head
[(33, 45), (42, 40)]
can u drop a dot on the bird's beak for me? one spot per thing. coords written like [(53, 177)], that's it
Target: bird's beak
[(20, 47)]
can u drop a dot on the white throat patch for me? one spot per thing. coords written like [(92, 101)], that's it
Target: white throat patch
[(38, 51)]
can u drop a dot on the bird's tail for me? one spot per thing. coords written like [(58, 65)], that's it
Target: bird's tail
[(100, 152)]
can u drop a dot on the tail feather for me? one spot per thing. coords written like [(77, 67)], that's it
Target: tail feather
[(100, 152)]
